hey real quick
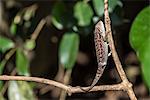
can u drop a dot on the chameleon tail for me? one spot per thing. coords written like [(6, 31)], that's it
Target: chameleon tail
[(99, 73)]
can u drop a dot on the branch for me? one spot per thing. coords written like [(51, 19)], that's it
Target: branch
[(127, 84), (38, 29), (69, 89), (35, 34)]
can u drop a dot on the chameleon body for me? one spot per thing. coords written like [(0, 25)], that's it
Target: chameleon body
[(101, 47)]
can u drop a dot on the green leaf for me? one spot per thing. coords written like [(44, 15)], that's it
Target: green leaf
[(22, 63), (61, 17), (68, 50), (99, 6), (5, 44), (30, 44), (140, 41), (83, 13), (30, 12), (20, 90), (13, 28), (57, 15), (113, 4)]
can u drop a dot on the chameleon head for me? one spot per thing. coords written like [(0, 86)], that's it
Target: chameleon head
[(100, 29)]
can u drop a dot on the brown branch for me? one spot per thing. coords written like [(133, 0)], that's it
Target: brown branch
[(35, 34), (125, 82), (65, 81), (69, 89), (38, 29), (34, 79)]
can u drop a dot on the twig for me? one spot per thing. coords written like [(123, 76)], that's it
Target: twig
[(38, 29), (66, 81), (7, 57), (69, 89), (125, 82), (34, 79)]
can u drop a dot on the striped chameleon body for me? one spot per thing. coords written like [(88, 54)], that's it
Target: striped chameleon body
[(101, 47)]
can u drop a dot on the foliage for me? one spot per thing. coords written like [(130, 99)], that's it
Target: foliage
[(99, 6), (68, 50), (83, 12), (140, 41), (58, 15), (22, 49), (22, 63), (5, 44), (30, 44), (77, 20), (20, 90)]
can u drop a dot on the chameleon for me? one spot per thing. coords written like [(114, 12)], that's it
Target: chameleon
[(101, 47)]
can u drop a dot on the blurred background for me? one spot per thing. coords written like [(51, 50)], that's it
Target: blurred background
[(54, 39)]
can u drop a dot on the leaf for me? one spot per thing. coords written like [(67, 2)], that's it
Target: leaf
[(61, 17), (22, 63), (13, 28), (57, 15), (140, 41), (68, 49), (5, 44), (20, 90), (113, 4), (99, 6), (30, 44), (30, 12), (83, 13)]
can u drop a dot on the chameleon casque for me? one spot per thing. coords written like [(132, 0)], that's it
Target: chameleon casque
[(101, 47)]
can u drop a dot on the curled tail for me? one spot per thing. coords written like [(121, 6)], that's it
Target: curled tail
[(99, 73)]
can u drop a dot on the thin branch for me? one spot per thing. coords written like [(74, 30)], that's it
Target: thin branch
[(7, 57), (66, 81), (38, 29), (34, 79), (69, 89), (126, 83), (35, 34), (9, 54)]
